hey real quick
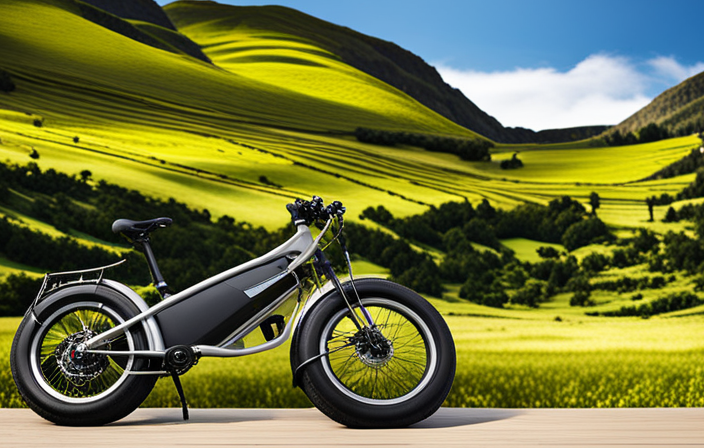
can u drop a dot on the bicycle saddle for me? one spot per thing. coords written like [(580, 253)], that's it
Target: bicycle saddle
[(136, 229)]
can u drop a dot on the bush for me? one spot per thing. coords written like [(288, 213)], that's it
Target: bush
[(264, 180), (485, 290), (424, 278), (582, 298), (481, 232), (682, 252), (17, 292), (512, 163), (595, 262), (563, 271), (646, 241), (532, 294), (623, 258), (667, 304), (547, 252), (671, 215), (585, 232), (379, 215)]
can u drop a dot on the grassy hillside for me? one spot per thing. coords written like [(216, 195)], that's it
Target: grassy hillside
[(678, 109), (268, 122), (379, 59), (133, 106), (272, 45), (273, 106)]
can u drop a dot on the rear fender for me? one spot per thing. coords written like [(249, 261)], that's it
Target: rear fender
[(46, 306)]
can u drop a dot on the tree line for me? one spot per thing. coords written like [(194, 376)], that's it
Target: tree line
[(487, 275), (467, 149), (197, 247), (650, 133)]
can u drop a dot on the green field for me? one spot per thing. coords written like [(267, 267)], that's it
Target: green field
[(515, 359)]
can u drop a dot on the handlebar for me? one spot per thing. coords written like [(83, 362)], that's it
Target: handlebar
[(313, 211)]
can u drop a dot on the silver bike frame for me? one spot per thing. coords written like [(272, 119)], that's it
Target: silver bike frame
[(301, 243)]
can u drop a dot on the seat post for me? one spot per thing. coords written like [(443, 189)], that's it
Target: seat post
[(158, 279)]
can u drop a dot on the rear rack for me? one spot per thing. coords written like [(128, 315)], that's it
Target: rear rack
[(55, 280)]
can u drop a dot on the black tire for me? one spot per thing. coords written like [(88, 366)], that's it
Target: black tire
[(94, 391), (404, 386)]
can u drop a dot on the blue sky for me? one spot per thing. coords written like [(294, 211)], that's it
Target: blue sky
[(543, 63)]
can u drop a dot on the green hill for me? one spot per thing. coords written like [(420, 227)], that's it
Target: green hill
[(269, 120), (679, 110), (249, 28)]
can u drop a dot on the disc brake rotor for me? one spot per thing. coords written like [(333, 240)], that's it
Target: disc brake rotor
[(373, 349), (78, 366)]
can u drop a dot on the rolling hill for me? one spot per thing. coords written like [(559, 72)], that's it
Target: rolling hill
[(270, 119), (679, 109), (380, 59)]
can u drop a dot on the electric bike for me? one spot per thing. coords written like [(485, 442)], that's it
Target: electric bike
[(368, 353)]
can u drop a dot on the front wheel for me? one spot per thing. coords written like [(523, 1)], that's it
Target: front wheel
[(393, 374)]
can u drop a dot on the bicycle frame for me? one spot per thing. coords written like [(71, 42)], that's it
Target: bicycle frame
[(298, 250)]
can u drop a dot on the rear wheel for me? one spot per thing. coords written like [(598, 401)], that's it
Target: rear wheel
[(393, 374), (61, 381)]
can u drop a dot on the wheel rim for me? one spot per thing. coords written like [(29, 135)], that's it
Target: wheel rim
[(66, 374), (387, 377)]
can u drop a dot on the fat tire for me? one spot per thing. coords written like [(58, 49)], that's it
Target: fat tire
[(327, 397), (118, 404)]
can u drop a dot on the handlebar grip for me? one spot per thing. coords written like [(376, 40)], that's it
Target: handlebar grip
[(293, 210)]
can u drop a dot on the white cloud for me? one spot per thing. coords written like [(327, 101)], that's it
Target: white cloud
[(601, 89), (668, 67)]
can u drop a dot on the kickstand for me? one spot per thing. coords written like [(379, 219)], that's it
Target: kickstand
[(179, 388)]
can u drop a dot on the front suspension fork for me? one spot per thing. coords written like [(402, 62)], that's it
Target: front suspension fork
[(324, 265)]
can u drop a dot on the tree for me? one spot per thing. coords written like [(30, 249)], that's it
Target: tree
[(646, 241), (650, 202), (486, 211), (584, 232), (652, 133), (594, 202), (582, 298), (379, 215), (595, 262), (479, 231)]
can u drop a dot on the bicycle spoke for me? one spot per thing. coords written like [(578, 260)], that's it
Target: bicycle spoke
[(94, 374), (383, 379)]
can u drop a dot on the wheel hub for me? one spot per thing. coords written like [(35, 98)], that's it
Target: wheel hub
[(373, 349), (78, 366)]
